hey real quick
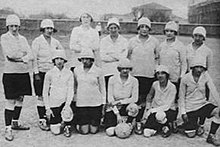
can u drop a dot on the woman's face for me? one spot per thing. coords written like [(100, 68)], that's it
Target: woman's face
[(113, 29), (144, 30), (13, 29), (48, 31), (170, 34), (86, 19), (198, 70), (161, 76), (59, 62), (87, 62), (198, 38), (124, 71)]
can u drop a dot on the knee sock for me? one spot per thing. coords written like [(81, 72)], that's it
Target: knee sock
[(41, 112), (214, 128), (17, 112), (8, 117)]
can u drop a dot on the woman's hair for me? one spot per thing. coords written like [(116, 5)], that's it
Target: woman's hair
[(119, 69), (138, 28), (8, 28), (42, 30), (167, 75), (175, 32), (53, 60), (203, 37)]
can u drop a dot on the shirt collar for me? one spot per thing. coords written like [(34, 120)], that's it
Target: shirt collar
[(13, 35), (202, 46), (173, 43), (201, 76), (110, 40), (92, 69), (119, 79), (166, 88), (149, 38), (57, 70)]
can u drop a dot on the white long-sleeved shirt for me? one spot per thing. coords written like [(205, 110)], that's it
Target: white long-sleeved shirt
[(58, 87), (111, 52), (174, 57), (192, 94), (90, 87), (43, 53), (162, 100), (126, 92), (143, 56), (80, 39), (16, 47), (202, 51)]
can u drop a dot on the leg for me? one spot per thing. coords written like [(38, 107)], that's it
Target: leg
[(9, 112), (214, 127), (17, 111), (96, 115), (192, 124), (82, 120), (55, 120)]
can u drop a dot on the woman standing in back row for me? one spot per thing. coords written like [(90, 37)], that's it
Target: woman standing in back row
[(16, 79), (43, 47), (84, 37)]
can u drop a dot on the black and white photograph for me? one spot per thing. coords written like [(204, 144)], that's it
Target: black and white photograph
[(100, 73)]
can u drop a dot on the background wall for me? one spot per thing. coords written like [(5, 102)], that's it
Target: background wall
[(65, 26)]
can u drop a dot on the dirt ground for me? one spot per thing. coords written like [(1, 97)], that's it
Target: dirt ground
[(37, 138)]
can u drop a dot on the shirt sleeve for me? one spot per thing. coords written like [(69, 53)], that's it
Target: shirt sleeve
[(182, 97), (29, 56), (130, 49), (110, 90), (74, 42), (183, 60), (150, 97), (102, 88), (35, 49), (46, 90), (157, 52), (213, 91), (209, 60), (95, 41), (59, 45), (70, 90)]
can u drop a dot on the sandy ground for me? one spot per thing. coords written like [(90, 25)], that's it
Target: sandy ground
[(37, 138)]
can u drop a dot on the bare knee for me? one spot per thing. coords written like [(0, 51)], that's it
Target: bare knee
[(84, 129), (93, 129), (10, 104)]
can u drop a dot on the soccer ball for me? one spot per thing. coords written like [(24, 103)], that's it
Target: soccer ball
[(123, 130)]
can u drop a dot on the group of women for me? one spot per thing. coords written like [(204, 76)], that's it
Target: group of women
[(140, 82)]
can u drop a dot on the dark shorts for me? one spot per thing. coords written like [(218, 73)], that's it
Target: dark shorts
[(199, 116), (38, 85), (57, 114), (88, 115), (110, 119), (16, 85), (144, 87), (152, 121)]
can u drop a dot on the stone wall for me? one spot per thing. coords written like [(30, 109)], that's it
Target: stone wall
[(31, 27)]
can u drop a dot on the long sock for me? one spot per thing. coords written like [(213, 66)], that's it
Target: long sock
[(8, 117), (17, 112), (214, 128), (41, 112)]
